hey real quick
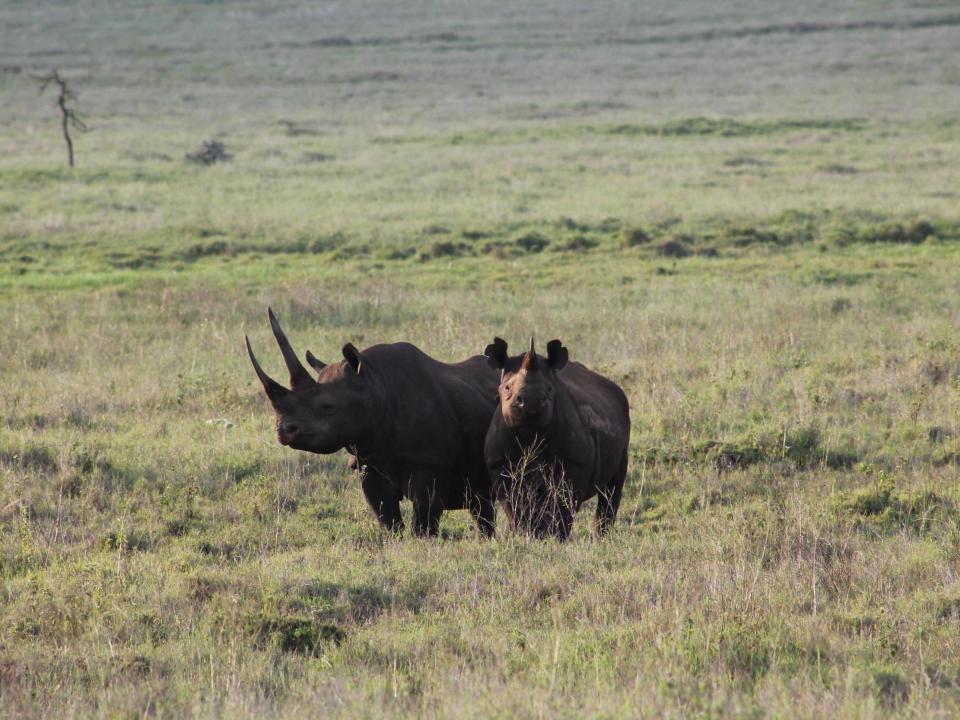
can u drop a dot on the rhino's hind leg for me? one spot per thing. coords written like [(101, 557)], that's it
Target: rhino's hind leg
[(427, 507), (384, 500), (608, 499)]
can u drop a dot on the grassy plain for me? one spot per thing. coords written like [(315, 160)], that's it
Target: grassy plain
[(746, 216)]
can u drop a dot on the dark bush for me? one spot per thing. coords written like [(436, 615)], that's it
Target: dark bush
[(199, 250), (532, 242), (571, 224), (914, 233), (675, 248), (885, 509), (635, 236), (295, 634), (444, 248), (40, 458), (501, 249), (401, 253), (837, 169), (210, 152), (743, 235), (840, 305), (578, 243)]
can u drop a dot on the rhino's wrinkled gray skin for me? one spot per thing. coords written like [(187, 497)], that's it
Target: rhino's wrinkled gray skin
[(558, 437), (415, 425)]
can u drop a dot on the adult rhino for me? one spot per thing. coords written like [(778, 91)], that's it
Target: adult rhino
[(415, 424), (558, 437)]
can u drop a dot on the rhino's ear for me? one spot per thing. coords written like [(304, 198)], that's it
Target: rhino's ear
[(496, 353), (315, 363), (557, 355), (352, 356)]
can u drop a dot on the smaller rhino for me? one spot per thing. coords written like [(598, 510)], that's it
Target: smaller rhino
[(558, 437)]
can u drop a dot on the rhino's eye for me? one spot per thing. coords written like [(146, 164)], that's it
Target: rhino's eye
[(326, 408)]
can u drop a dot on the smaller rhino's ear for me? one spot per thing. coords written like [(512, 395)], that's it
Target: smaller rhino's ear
[(496, 353), (314, 362), (557, 355), (352, 356)]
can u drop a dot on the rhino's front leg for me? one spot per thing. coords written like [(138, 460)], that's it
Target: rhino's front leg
[(502, 490), (383, 498), (558, 505), (484, 513)]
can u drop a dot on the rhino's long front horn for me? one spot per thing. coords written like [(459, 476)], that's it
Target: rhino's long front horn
[(530, 358), (298, 373), (274, 389)]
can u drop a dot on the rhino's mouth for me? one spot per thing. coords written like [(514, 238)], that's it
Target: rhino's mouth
[(286, 437), (309, 442), (528, 416)]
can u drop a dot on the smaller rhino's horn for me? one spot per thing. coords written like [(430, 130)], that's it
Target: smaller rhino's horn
[(530, 361)]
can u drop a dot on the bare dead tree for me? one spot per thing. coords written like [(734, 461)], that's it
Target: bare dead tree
[(70, 118)]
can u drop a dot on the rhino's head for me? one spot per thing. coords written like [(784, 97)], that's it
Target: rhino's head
[(324, 415), (527, 383)]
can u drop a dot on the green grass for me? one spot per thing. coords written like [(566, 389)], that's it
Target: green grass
[(748, 223)]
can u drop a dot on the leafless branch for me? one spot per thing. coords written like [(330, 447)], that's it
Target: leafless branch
[(70, 118)]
